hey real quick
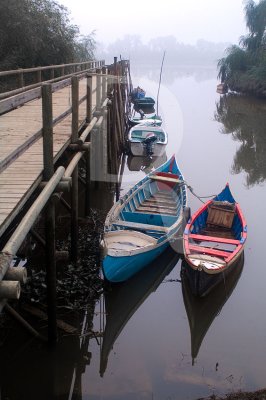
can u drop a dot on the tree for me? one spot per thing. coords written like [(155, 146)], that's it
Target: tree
[(244, 67), (38, 33)]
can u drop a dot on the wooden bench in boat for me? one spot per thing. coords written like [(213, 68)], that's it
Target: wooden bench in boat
[(214, 239), (156, 210), (210, 251), (143, 227), (165, 179), (158, 201), (147, 203)]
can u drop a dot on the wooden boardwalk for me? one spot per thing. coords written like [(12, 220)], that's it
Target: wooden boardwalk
[(21, 171)]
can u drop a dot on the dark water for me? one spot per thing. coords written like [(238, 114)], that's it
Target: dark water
[(148, 349)]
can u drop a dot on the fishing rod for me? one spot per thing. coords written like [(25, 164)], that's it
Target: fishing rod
[(160, 80)]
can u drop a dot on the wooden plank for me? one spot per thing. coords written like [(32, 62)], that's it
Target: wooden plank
[(18, 100), (22, 176), (162, 195), (213, 239), (207, 250), (161, 201), (154, 210), (145, 227), (165, 179), (158, 206)]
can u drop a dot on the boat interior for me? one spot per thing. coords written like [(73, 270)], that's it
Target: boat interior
[(152, 208), (217, 231)]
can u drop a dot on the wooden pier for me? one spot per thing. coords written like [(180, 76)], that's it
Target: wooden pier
[(84, 114)]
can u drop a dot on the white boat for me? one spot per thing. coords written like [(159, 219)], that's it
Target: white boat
[(147, 140)]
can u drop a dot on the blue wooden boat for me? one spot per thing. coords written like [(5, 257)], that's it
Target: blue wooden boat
[(140, 226), (213, 240)]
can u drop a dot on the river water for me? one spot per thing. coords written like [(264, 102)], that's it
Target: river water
[(148, 349), (216, 139)]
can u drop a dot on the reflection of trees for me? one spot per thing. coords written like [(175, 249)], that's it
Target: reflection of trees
[(245, 119)]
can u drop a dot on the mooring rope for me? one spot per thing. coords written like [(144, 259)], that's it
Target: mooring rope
[(198, 197)]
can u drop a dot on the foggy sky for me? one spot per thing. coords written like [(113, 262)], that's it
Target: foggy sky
[(188, 21)]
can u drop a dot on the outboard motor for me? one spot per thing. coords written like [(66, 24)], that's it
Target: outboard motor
[(148, 143)]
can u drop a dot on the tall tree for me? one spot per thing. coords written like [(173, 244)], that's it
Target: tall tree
[(244, 67), (38, 32)]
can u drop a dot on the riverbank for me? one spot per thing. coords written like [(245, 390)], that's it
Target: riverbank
[(257, 395)]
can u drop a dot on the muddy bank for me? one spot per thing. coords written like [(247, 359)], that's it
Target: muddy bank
[(257, 395)]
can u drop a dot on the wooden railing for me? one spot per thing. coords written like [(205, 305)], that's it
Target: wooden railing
[(29, 78), (99, 137)]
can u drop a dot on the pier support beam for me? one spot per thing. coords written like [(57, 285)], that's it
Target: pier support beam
[(74, 191), (48, 171)]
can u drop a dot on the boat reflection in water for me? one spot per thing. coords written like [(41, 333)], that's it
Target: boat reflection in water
[(201, 311), (123, 299), (145, 164)]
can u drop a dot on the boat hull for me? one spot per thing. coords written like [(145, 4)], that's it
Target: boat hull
[(119, 269), (202, 283), (213, 240), (144, 222)]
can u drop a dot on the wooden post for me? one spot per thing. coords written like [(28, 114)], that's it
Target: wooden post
[(47, 117), (87, 153), (20, 79), (88, 183), (104, 83), (89, 98), (48, 171), (52, 73), (74, 191), (39, 75), (98, 89)]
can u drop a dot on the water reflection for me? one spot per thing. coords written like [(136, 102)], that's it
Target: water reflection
[(30, 370), (145, 164), (245, 119), (201, 311), (123, 300)]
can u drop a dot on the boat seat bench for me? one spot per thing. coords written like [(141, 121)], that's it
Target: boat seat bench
[(166, 179), (207, 250), (144, 227), (214, 239)]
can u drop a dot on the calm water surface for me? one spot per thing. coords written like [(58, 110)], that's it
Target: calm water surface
[(216, 139), (148, 351)]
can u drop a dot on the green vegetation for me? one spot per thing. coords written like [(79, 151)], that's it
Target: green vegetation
[(38, 33), (244, 67)]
